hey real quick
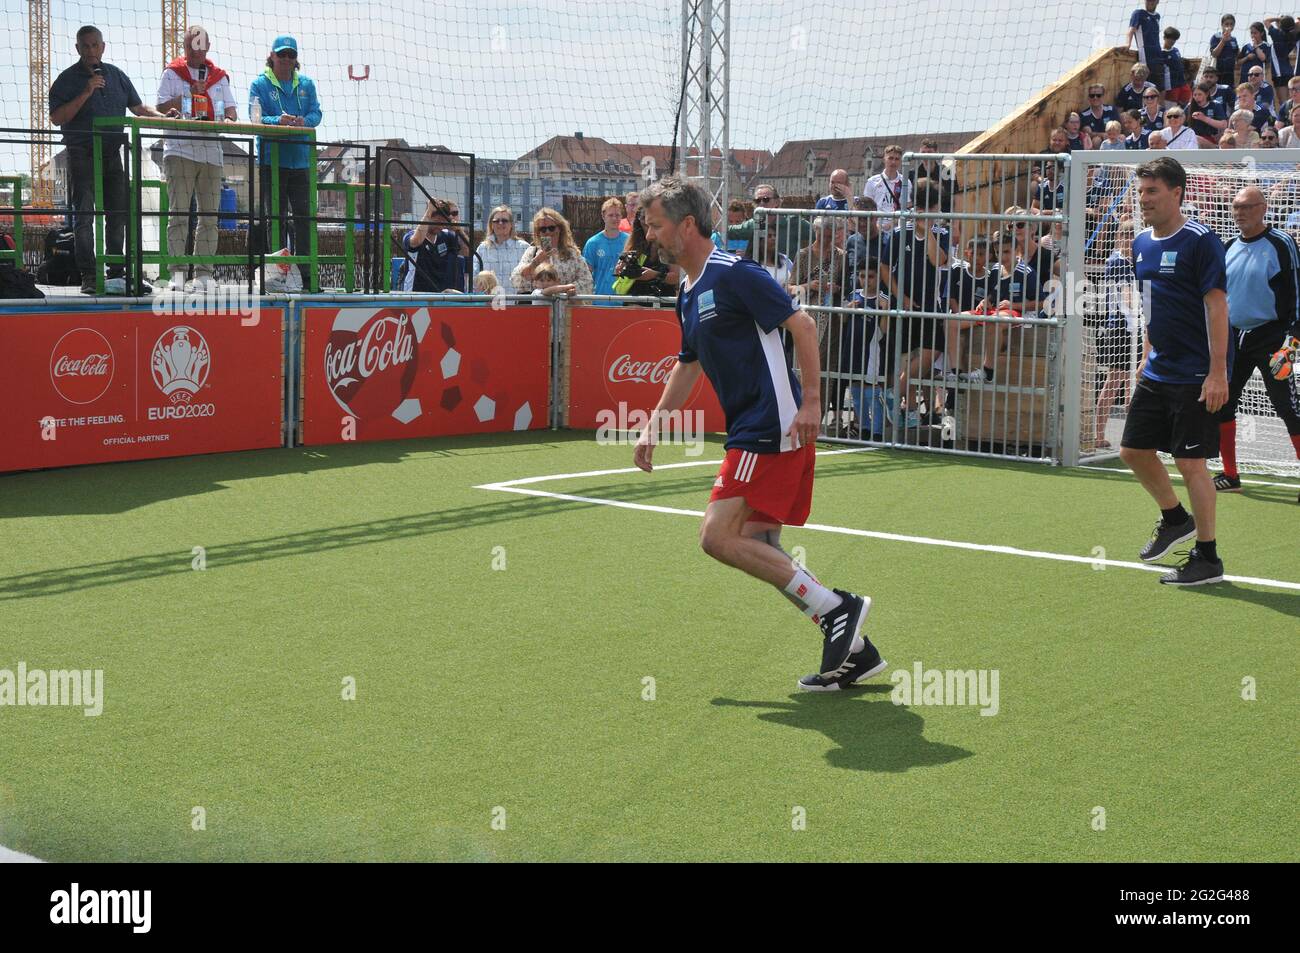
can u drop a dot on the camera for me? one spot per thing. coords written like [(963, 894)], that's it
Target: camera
[(631, 262)]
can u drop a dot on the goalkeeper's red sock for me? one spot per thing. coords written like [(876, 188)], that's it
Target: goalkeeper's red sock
[(1295, 442), (1228, 447)]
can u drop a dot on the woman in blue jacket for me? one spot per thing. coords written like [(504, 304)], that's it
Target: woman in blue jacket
[(286, 98)]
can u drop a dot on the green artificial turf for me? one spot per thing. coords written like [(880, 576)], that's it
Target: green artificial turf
[(522, 688)]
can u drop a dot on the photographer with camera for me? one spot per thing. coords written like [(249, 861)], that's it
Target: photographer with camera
[(553, 244), (639, 270)]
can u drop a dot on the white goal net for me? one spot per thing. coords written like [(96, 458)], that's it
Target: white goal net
[(1113, 313)]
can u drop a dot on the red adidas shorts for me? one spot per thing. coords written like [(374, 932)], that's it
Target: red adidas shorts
[(777, 486)]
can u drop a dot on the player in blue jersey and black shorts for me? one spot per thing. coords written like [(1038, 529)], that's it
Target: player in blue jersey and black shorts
[(1263, 267), (732, 312), (1183, 377)]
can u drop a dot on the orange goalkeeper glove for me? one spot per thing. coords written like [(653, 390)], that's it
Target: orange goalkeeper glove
[(1280, 364)]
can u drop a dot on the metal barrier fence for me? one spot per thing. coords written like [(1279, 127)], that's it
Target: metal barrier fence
[(350, 187), (938, 322)]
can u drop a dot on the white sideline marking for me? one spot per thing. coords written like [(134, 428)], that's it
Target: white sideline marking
[(8, 856), (515, 486), (1179, 476)]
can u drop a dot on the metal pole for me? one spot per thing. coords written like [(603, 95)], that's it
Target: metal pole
[(1070, 380)]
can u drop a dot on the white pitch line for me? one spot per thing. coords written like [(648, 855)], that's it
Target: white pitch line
[(663, 466), (8, 856), (1179, 476), (513, 486)]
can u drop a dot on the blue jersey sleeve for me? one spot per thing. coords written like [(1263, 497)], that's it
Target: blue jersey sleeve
[(1212, 272), (1135, 19), (748, 286)]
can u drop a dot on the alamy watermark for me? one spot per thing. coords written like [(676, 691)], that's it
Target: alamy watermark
[(58, 688), (624, 426), (949, 687), (208, 299)]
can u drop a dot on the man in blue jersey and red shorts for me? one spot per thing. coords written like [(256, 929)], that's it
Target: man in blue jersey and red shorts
[(1183, 380), (732, 313)]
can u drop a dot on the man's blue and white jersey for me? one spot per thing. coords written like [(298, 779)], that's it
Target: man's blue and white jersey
[(1175, 273), (729, 319)]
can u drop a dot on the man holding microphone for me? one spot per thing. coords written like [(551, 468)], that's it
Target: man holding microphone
[(85, 90)]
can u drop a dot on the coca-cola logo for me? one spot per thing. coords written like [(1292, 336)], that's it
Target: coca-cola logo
[(643, 353), (625, 368), (372, 357), (82, 366)]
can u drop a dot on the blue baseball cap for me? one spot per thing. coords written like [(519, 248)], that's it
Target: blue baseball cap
[(284, 43)]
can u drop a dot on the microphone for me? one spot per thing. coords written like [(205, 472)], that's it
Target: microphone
[(99, 71)]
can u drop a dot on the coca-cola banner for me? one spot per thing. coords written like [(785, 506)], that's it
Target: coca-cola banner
[(618, 362), (385, 373), (96, 386)]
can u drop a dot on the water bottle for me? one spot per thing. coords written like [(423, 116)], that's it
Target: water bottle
[(255, 111), (218, 109), (187, 104)]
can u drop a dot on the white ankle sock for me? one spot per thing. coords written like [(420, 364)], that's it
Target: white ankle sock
[(817, 599)]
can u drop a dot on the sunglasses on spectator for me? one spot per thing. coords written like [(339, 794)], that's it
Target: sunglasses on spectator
[(287, 55), (1150, 97), (548, 228), (500, 221), (1094, 95), (764, 199)]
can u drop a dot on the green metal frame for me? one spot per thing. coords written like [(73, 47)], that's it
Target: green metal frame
[(16, 183), (134, 125)]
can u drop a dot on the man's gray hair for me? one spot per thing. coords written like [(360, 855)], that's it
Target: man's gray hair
[(679, 198)]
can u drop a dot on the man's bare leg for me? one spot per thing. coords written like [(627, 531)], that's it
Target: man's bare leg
[(1152, 474)]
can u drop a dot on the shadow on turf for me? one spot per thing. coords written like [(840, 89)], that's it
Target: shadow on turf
[(1286, 603), (868, 736), (66, 579), (120, 487)]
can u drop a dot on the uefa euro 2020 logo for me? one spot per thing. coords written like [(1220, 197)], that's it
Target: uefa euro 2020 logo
[(180, 363)]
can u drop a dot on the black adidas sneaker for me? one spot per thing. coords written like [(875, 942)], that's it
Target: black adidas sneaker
[(1195, 570), (1165, 537), (858, 666), (839, 626)]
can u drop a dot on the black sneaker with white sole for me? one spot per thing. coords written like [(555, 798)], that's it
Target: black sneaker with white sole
[(1226, 484), (839, 626), (1195, 570), (1164, 538), (858, 666)]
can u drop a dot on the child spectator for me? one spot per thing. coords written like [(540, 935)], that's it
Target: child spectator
[(546, 282), (1223, 94), (1144, 26), (1259, 115), (1282, 31), (972, 286), (1175, 75), (486, 283), (862, 339), (1206, 117), (1130, 97), (1114, 136), (1136, 137), (1074, 133), (1224, 48), (1256, 52)]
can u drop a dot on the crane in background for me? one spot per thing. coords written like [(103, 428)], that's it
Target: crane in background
[(173, 30), (38, 58)]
